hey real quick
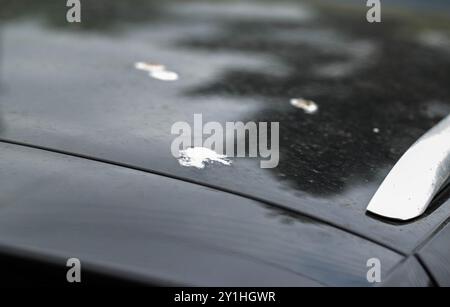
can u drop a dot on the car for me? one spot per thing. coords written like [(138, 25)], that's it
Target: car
[(107, 178)]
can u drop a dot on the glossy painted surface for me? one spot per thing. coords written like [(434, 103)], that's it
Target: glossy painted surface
[(378, 88), (435, 255), (150, 227), (409, 273)]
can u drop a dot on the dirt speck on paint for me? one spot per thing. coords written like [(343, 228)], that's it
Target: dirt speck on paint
[(199, 157), (309, 106), (157, 71)]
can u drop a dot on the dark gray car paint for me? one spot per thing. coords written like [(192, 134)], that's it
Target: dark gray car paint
[(155, 228), (74, 88), (435, 256), (409, 273)]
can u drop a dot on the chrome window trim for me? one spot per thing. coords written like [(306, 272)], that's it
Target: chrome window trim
[(417, 177)]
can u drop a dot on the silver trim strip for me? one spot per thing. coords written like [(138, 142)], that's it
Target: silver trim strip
[(417, 177)]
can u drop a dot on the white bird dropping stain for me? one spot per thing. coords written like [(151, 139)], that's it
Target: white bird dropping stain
[(157, 71), (309, 106), (199, 156), (376, 130)]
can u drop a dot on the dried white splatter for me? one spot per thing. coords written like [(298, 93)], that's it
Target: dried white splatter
[(149, 67), (199, 156), (376, 130), (157, 71), (165, 75), (309, 106)]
